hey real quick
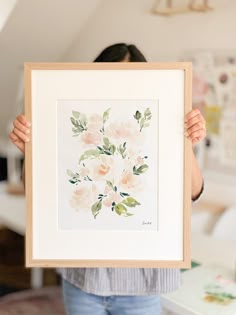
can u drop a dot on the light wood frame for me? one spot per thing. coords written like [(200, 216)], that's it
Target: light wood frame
[(186, 262)]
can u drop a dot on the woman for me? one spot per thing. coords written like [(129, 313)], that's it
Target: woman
[(118, 291)]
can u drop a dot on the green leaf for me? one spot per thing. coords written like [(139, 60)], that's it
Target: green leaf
[(83, 120), (124, 194), (80, 128), (72, 181), (142, 123), (75, 130), (142, 169), (120, 209), (89, 154), (137, 115), (147, 113), (135, 172), (96, 207), (130, 202), (112, 149), (121, 149), (106, 141), (107, 152), (106, 115), (70, 173), (128, 214), (109, 183), (74, 122), (75, 114), (88, 178)]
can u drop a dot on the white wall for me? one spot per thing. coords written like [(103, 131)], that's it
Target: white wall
[(160, 38)]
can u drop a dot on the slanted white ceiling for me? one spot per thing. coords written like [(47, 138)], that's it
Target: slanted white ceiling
[(6, 7), (38, 30)]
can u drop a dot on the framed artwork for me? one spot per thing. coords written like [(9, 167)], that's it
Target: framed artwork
[(108, 174)]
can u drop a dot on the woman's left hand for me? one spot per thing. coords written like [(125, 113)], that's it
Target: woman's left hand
[(195, 126)]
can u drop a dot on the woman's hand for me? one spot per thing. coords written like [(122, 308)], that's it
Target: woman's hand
[(195, 126), (21, 132), (195, 130)]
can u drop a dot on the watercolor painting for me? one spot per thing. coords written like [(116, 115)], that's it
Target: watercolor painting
[(108, 164), (220, 291), (213, 290)]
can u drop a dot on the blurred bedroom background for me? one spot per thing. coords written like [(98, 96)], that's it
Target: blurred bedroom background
[(76, 31)]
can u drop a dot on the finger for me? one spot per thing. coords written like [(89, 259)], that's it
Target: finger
[(196, 127), (198, 139), (23, 120), (20, 145), (18, 124), (196, 119), (195, 141), (197, 134), (21, 135), (193, 113)]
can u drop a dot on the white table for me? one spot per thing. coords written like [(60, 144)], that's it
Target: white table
[(207, 251), (13, 216)]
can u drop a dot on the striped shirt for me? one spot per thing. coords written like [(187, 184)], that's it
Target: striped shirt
[(124, 281)]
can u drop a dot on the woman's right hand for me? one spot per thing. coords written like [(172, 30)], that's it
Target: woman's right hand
[(21, 132)]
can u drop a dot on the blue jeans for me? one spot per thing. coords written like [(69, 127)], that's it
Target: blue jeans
[(78, 302)]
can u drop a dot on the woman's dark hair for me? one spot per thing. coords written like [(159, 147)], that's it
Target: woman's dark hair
[(120, 52)]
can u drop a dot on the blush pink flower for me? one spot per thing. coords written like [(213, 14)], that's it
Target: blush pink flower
[(84, 171), (112, 197), (91, 137), (95, 123), (129, 181), (107, 189), (83, 197), (103, 167), (139, 160), (123, 131), (95, 120), (132, 153)]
